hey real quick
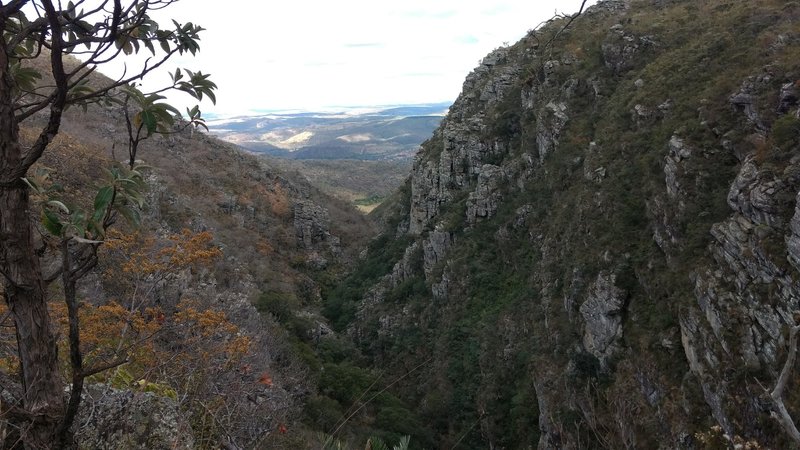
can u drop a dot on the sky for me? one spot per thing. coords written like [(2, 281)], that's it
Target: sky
[(324, 55)]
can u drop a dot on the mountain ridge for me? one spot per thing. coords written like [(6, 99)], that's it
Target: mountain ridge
[(597, 246), (375, 133)]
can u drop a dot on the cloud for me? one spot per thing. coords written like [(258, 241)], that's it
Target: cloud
[(467, 39), (364, 45), (323, 63), (314, 53), (498, 9), (426, 14), (420, 74)]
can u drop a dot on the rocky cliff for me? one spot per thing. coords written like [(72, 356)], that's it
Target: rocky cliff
[(603, 236)]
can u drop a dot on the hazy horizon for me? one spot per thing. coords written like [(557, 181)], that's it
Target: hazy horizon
[(314, 55)]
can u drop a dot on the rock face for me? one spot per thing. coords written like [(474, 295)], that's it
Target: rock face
[(609, 234), (435, 249), (312, 225), (678, 152), (311, 222), (113, 419), (793, 241), (484, 200), (602, 313), (458, 144)]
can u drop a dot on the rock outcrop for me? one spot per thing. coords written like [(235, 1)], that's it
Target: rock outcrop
[(312, 225), (602, 313), (114, 419)]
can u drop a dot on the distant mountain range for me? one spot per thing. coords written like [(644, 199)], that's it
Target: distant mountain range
[(374, 133)]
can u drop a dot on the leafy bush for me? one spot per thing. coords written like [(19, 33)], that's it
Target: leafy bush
[(401, 421), (280, 304), (323, 412), (786, 132), (344, 382)]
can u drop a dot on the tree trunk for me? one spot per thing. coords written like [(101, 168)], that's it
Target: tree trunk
[(41, 382), (21, 273)]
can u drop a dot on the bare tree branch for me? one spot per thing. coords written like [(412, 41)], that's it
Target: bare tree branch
[(103, 367), (569, 22), (782, 414), (60, 95), (75, 357), (12, 8)]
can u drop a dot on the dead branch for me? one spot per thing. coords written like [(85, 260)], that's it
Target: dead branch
[(782, 414)]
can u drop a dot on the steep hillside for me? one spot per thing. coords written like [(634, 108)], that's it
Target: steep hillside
[(598, 248), (187, 296)]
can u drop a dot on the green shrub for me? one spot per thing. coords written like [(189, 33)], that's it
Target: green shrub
[(336, 349), (279, 304), (306, 354), (344, 382), (786, 132), (323, 412), (401, 421)]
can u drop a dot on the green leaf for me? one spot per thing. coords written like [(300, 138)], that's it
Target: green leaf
[(31, 184), (78, 223), (51, 222), (135, 94), (132, 194), (130, 214), (25, 78), (150, 121), (101, 202), (59, 205)]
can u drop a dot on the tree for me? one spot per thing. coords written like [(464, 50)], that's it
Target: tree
[(96, 32)]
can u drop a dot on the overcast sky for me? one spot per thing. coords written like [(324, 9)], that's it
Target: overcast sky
[(313, 54)]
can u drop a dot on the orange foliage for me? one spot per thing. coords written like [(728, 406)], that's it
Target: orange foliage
[(265, 379), (200, 340), (110, 331), (244, 199), (277, 199), (183, 351), (264, 247), (162, 347), (144, 256), (209, 335), (206, 340)]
